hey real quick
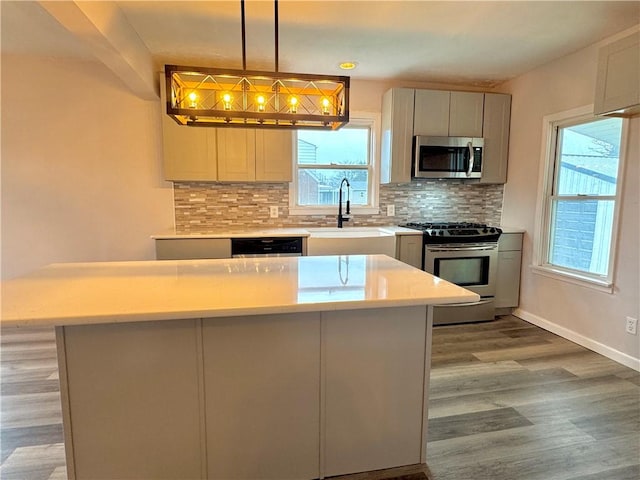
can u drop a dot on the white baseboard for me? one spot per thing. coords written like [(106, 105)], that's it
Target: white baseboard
[(612, 353)]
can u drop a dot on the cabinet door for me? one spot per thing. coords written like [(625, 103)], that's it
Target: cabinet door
[(465, 114), (134, 391), (189, 153), (374, 373), (192, 248), (397, 135), (618, 80), (508, 285), (497, 117), (265, 369), (236, 154), (431, 113), (410, 250), (274, 155)]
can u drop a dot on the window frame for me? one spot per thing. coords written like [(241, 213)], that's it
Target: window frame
[(358, 119), (547, 193)]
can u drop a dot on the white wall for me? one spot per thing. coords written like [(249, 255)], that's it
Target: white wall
[(81, 166), (589, 317)]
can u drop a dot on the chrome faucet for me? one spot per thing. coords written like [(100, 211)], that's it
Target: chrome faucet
[(348, 211)]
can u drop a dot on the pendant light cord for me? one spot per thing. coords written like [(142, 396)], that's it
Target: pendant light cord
[(275, 16), (244, 35), (244, 53)]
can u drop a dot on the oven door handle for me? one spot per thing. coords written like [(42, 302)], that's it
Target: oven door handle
[(458, 249), (471, 304), (471, 159)]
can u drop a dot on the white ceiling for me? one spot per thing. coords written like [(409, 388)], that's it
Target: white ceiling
[(459, 42)]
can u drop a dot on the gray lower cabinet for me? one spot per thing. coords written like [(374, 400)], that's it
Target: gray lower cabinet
[(409, 249), (137, 383), (509, 267), (192, 248), (373, 389), (296, 395), (264, 368)]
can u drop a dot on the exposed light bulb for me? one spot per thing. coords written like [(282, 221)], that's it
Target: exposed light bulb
[(193, 98), (293, 104), (325, 106), (260, 100), (226, 100)]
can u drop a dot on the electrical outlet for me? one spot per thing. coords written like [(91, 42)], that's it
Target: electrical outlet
[(273, 212), (632, 325), (391, 210)]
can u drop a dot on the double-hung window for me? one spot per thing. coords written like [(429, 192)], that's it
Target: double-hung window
[(323, 158), (580, 199)]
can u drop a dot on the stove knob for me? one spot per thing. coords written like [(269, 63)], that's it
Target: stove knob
[(441, 232), (427, 233), (492, 230), (484, 230)]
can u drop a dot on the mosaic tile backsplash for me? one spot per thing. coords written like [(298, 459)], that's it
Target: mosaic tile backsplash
[(209, 207)]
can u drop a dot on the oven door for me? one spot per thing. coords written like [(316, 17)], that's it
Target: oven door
[(472, 266)]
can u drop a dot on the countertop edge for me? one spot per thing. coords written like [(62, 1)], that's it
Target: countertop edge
[(284, 232), (234, 312)]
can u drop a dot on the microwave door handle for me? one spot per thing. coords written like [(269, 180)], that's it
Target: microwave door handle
[(471, 158)]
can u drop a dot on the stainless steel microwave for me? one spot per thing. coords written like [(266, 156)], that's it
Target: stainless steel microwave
[(447, 157)]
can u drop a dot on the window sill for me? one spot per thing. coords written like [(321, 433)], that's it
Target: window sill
[(332, 210), (573, 278)]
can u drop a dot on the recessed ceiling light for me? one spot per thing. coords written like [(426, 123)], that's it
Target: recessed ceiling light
[(348, 65)]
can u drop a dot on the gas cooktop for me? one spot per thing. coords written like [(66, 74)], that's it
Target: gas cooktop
[(450, 232)]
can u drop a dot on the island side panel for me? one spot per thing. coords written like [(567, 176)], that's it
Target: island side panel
[(262, 388), (373, 387), (134, 400), (428, 339)]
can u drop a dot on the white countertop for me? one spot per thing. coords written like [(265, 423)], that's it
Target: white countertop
[(110, 292), (288, 232), (508, 229)]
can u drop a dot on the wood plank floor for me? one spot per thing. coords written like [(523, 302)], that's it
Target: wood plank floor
[(508, 401)]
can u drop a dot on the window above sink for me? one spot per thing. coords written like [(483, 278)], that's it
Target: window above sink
[(323, 158)]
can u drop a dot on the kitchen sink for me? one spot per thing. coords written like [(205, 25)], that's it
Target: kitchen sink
[(351, 241), (346, 232)]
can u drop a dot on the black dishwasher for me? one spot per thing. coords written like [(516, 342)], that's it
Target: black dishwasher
[(266, 246)]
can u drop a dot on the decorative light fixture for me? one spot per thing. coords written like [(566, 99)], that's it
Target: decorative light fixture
[(253, 99)]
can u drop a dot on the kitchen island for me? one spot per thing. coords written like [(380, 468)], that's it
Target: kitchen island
[(290, 367)]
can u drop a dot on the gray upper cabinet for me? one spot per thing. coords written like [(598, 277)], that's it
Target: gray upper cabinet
[(497, 116), (431, 113), (189, 153), (397, 135), (440, 113), (465, 114), (224, 154), (618, 79), (236, 154)]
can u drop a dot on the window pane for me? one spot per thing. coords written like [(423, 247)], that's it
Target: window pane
[(581, 234), (588, 156), (321, 186), (347, 146)]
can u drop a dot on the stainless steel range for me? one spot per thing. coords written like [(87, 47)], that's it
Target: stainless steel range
[(465, 254)]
